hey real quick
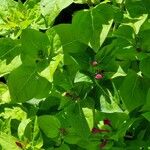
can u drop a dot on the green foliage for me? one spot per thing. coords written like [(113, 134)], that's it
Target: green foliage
[(50, 125), (83, 85)]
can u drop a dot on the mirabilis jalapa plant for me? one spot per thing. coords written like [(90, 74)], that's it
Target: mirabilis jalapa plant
[(83, 85)]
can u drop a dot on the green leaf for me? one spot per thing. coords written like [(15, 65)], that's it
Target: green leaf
[(11, 18), (6, 126), (48, 72), (37, 140), (64, 36), (49, 100), (75, 117), (50, 9), (133, 91), (7, 68), (146, 5), (21, 128), (50, 125), (119, 1), (123, 127), (80, 77), (55, 42), (119, 73), (111, 107), (35, 46), (63, 147), (86, 1), (147, 116), (144, 66), (14, 113), (140, 22), (6, 4), (29, 85), (8, 142), (92, 26), (88, 113), (135, 8), (9, 49), (147, 104), (80, 1), (4, 94), (30, 130), (72, 137), (65, 77), (56, 55), (144, 40), (126, 32)]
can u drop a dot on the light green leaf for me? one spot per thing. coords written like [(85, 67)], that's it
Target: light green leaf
[(111, 107), (8, 142), (6, 4), (105, 31), (88, 113), (119, 1), (137, 25), (50, 9), (21, 128), (14, 113), (4, 94), (86, 1), (80, 77), (55, 42), (7, 68), (119, 73), (80, 1), (50, 70)]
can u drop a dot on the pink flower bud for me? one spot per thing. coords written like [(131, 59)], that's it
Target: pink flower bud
[(94, 63), (98, 76)]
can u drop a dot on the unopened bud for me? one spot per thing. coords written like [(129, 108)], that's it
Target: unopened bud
[(98, 76)]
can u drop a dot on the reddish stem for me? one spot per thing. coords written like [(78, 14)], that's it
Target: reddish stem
[(96, 130), (19, 144), (107, 122), (103, 144)]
